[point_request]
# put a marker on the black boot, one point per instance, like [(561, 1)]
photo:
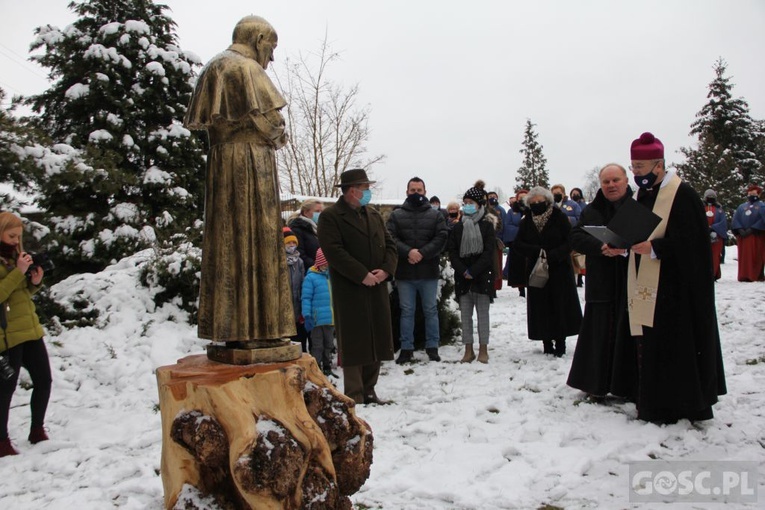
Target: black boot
[(432, 353), (522, 291), (560, 348), (548, 346), (405, 356)]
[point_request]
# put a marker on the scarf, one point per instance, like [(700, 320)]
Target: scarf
[(643, 282), (472, 240), (541, 220), (292, 258)]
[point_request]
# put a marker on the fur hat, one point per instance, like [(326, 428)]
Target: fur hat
[(646, 147), (320, 259), (477, 193), (289, 235)]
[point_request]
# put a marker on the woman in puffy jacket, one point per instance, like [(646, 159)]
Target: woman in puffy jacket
[(21, 342)]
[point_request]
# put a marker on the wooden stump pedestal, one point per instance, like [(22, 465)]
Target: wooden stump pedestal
[(265, 436)]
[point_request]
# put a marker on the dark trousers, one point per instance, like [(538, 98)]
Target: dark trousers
[(360, 380), (33, 356)]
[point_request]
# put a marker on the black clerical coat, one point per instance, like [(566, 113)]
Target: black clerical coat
[(679, 359)]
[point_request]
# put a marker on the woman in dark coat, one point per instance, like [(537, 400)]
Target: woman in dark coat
[(552, 312), (592, 369), (304, 226)]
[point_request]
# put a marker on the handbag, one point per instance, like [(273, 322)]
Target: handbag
[(540, 273)]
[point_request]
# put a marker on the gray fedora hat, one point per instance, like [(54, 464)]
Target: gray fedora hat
[(354, 176)]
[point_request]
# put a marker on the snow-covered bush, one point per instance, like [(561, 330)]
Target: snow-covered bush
[(173, 275)]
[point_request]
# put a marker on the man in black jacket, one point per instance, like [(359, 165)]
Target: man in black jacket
[(420, 233)]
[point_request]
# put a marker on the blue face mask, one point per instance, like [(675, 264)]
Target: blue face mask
[(366, 196), (469, 209), (315, 217)]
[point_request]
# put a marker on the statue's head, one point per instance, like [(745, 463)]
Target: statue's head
[(258, 34)]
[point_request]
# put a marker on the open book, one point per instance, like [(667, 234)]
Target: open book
[(631, 224)]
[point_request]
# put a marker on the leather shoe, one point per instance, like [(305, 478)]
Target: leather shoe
[(373, 399), (433, 354), (405, 356)]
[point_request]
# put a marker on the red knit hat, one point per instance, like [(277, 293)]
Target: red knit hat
[(320, 260), (646, 147)]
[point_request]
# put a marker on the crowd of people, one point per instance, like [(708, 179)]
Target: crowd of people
[(649, 329), (648, 332)]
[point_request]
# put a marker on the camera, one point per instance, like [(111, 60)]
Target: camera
[(6, 370), (42, 260)]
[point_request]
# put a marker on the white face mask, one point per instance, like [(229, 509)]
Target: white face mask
[(291, 249)]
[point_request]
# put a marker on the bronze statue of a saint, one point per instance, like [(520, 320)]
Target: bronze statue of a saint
[(245, 293)]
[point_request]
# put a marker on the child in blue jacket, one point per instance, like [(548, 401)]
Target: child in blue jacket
[(317, 312)]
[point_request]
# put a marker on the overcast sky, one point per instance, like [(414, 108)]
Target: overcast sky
[(451, 84)]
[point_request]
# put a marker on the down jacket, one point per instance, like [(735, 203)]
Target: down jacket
[(423, 228), (317, 298), (16, 295)]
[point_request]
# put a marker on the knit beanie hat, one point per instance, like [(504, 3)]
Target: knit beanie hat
[(476, 193), (289, 235), (646, 147), (710, 193), (320, 260)]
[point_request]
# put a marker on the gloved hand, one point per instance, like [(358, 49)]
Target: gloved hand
[(713, 236), (308, 324)]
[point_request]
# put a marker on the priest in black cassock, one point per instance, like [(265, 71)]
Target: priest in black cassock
[(605, 294), (670, 298)]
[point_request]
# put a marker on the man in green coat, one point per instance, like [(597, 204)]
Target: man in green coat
[(362, 257)]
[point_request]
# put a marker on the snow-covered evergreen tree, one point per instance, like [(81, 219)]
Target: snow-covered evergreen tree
[(120, 88), (15, 170), (725, 158), (533, 170)]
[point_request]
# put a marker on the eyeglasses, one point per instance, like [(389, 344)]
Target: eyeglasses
[(639, 167)]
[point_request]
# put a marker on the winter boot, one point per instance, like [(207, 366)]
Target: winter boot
[(37, 435), (432, 353), (522, 291), (6, 448), (405, 356), (469, 354), (560, 348), (483, 353), (548, 346), (327, 370)]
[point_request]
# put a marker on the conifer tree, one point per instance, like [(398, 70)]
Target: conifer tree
[(725, 159), (15, 169), (533, 170), (120, 88)]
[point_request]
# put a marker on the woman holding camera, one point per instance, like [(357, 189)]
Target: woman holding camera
[(21, 342)]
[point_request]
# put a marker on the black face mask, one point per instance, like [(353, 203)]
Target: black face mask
[(558, 198), (575, 198), (753, 198), (538, 208), (453, 214), (7, 251), (711, 201), (646, 181), (493, 201), (416, 199)]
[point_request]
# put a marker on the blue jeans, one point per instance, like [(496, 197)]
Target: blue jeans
[(407, 298)]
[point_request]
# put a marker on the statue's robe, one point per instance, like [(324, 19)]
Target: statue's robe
[(244, 293)]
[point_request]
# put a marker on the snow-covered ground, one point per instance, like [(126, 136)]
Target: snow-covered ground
[(509, 434)]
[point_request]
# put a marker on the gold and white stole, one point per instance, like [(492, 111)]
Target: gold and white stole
[(643, 283)]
